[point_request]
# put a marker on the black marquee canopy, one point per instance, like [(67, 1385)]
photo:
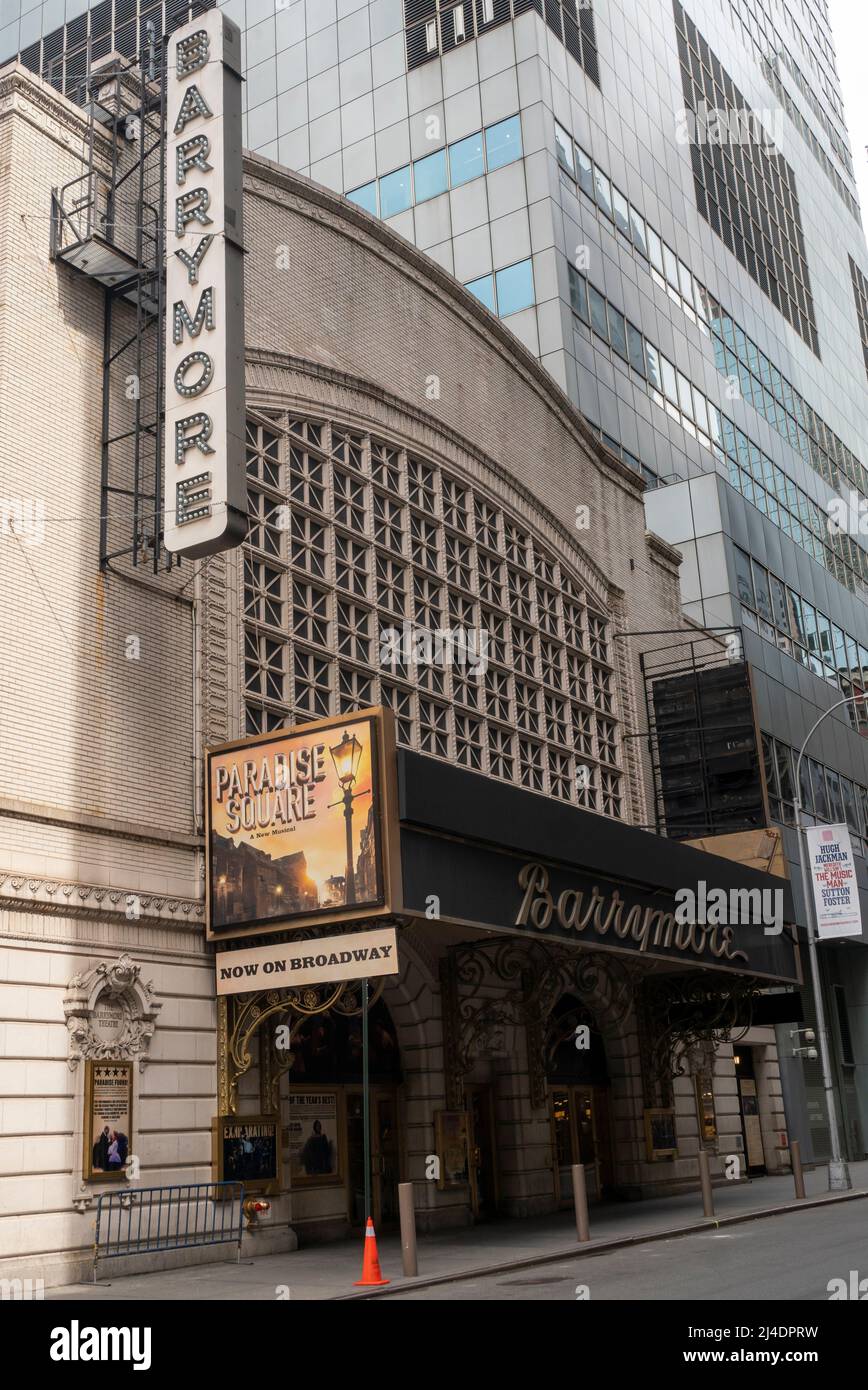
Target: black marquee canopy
[(483, 853)]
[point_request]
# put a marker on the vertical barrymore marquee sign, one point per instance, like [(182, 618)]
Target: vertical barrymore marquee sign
[(204, 484)]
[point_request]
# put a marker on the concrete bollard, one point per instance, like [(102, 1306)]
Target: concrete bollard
[(705, 1180), (798, 1172), (407, 1212), (580, 1198)]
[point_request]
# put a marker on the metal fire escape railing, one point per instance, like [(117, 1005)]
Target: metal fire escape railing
[(109, 224)]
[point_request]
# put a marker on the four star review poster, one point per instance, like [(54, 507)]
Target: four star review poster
[(108, 1119)]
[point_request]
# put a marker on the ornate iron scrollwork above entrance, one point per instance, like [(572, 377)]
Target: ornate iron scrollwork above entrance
[(540, 972), (244, 1017), (683, 1013), (240, 1018)]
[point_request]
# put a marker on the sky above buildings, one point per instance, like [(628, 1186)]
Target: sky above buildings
[(850, 29)]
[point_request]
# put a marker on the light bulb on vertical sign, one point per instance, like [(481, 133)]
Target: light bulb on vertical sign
[(204, 492)]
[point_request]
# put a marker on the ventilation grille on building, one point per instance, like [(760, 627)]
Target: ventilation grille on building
[(435, 27), (745, 189), (61, 57)]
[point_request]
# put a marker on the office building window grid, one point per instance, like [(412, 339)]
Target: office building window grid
[(452, 166), (760, 381), (796, 627), (759, 27), (351, 538), (749, 470), (745, 189), (860, 295), (827, 797)]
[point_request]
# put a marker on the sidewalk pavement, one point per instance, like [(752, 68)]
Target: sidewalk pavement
[(329, 1271)]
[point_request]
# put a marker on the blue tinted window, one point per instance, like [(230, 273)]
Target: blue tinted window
[(586, 172), (503, 143), (514, 288), (578, 294), (617, 331), (635, 349), (365, 197), (465, 159), (395, 192), (429, 176), (484, 290), (598, 312), (564, 147), (604, 192)]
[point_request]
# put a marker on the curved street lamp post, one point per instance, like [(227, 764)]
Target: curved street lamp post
[(346, 757), (839, 1172)]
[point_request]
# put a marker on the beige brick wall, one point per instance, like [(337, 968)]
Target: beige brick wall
[(96, 750)]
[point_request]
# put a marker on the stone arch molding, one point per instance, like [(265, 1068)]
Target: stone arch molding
[(119, 982)]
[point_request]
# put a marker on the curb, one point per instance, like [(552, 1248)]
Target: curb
[(600, 1247)]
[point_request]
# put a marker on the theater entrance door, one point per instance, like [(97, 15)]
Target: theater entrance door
[(385, 1156)]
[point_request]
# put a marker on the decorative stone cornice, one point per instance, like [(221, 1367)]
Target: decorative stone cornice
[(663, 552), (19, 85), (119, 981), (117, 829), (64, 897)]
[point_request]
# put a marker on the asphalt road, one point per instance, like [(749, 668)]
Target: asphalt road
[(780, 1257)]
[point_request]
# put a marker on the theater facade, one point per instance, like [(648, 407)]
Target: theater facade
[(437, 543)]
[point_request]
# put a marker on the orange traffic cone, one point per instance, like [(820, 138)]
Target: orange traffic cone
[(371, 1262)]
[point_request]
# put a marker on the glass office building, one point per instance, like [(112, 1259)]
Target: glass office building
[(659, 200)]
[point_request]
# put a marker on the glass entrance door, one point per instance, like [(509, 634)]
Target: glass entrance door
[(581, 1134), (562, 1143), (483, 1164), (385, 1156)]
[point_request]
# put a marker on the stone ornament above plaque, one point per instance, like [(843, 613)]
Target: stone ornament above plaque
[(110, 1013)]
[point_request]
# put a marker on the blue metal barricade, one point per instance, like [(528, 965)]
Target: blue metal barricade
[(143, 1220)]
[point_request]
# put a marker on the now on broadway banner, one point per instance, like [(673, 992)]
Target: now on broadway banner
[(833, 876)]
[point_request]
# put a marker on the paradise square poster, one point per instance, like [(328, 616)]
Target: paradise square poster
[(294, 825)]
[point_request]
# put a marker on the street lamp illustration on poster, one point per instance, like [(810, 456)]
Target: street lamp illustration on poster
[(346, 757), (295, 825)]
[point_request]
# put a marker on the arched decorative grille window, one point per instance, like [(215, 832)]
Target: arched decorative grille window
[(355, 548)]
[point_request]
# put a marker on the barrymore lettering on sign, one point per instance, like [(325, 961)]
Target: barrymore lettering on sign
[(356, 957), (646, 927), (204, 474)]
